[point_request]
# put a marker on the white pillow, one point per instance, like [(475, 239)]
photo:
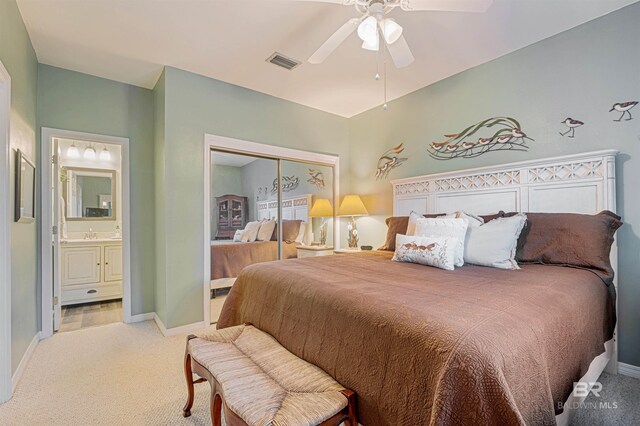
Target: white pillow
[(474, 221), (250, 232), (494, 243), (430, 251), (266, 230), (237, 237), (301, 233), (447, 228), (413, 220)]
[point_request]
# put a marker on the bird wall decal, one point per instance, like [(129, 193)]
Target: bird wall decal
[(624, 108), (492, 134), (316, 178), (389, 161), (571, 124)]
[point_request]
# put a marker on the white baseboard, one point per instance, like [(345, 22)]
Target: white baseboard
[(175, 331), (141, 317), (24, 361), (629, 370)]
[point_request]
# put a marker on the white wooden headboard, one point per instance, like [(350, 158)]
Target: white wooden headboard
[(292, 208), (580, 183)]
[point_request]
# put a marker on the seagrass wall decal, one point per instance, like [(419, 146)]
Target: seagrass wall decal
[(389, 161), (492, 134), (289, 183)]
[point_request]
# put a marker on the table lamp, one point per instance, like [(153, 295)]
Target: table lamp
[(352, 206), (322, 208)]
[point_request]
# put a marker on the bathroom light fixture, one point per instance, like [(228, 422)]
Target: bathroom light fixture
[(72, 151), (105, 155), (89, 153)]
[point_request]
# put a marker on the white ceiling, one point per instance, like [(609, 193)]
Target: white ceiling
[(235, 160), (229, 40)]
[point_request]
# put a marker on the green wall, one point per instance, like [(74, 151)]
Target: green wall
[(195, 105), (73, 101), (160, 298), (580, 73), (19, 58)]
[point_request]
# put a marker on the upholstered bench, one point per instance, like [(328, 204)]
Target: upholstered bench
[(256, 381)]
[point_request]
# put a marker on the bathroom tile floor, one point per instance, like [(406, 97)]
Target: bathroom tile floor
[(75, 317)]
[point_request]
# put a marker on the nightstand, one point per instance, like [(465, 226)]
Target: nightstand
[(347, 251), (311, 251)]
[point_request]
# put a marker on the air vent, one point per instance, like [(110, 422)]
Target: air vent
[(282, 61)]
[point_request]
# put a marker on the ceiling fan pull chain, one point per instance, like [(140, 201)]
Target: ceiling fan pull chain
[(384, 70), (378, 63)]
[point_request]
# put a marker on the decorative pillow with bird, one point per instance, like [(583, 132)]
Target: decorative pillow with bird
[(445, 228), (439, 252)]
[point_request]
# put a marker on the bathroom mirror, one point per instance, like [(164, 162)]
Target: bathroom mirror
[(88, 194)]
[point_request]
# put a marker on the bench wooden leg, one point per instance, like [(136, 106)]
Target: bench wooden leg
[(216, 408), (352, 409), (188, 375)]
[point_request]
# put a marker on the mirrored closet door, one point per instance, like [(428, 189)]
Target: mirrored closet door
[(264, 209)]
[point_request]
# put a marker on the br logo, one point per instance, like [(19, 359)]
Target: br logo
[(581, 389)]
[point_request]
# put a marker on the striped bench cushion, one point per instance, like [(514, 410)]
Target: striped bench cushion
[(262, 382)]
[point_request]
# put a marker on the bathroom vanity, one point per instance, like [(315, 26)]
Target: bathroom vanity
[(91, 270)]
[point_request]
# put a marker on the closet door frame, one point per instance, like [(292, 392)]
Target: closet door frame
[(237, 146)]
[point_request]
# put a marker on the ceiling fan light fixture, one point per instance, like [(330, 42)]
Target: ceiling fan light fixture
[(368, 29), (391, 30), (373, 44)]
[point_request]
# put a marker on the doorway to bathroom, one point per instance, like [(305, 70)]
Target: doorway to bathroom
[(85, 230)]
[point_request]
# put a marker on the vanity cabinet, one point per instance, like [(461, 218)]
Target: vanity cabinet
[(90, 271)]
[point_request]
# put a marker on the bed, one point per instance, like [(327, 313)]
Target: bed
[(475, 346)]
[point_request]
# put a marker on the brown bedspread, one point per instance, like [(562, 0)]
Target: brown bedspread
[(227, 260), (421, 345)]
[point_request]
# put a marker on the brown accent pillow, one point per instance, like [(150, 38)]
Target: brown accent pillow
[(290, 229), (398, 225), (570, 239)]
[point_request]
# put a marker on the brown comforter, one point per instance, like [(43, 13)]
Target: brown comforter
[(421, 345), (228, 259)]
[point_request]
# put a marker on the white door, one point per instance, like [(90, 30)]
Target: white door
[(80, 265), (56, 219), (113, 263)]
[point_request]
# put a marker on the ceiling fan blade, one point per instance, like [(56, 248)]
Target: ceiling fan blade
[(400, 53), (334, 41), (472, 6)]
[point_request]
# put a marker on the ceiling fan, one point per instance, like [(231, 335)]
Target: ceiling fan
[(373, 23)]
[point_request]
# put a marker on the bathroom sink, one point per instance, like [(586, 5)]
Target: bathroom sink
[(82, 240)]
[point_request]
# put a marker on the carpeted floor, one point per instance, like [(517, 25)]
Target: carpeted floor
[(120, 374)]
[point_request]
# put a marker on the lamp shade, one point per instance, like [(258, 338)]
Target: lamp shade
[(321, 208), (352, 205)]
